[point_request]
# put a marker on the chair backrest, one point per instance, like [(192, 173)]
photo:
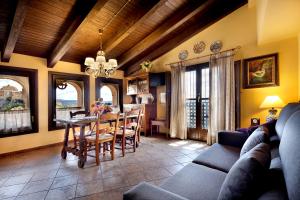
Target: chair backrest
[(129, 116), (284, 115), (80, 112), (289, 150), (112, 119)]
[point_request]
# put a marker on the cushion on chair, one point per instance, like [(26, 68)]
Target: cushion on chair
[(218, 156), (101, 137), (89, 132), (260, 135), (245, 178), (195, 182), (128, 132)]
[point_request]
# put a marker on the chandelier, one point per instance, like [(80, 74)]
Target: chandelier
[(99, 67)]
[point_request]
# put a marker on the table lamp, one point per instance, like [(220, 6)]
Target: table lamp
[(272, 102)]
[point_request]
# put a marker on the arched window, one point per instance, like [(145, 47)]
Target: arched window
[(106, 95), (68, 97), (11, 95)]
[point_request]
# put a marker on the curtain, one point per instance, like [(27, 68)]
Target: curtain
[(178, 128), (222, 95), (15, 120)]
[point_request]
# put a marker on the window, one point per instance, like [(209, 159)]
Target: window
[(106, 95), (18, 101), (68, 93), (110, 91)]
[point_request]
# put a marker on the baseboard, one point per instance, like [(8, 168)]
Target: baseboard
[(30, 149)]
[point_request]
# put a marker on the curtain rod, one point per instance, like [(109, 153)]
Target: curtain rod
[(233, 49)]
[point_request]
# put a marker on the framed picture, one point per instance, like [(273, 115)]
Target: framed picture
[(261, 71)]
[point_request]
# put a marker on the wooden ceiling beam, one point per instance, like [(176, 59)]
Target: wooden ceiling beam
[(15, 30), (172, 23), (82, 18), (142, 17), (197, 24)]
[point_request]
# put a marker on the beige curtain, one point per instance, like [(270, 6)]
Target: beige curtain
[(178, 128), (222, 95)]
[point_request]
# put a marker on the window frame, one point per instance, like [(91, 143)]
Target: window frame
[(52, 77), (101, 81), (32, 75)]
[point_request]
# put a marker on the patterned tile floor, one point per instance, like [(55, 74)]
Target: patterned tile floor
[(42, 174)]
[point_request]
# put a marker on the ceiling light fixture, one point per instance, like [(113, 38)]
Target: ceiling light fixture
[(98, 67)]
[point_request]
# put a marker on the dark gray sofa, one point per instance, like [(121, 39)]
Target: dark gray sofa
[(203, 178)]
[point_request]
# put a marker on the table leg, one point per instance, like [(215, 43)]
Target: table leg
[(81, 147), (66, 139)]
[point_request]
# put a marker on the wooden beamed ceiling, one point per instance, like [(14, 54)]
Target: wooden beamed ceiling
[(68, 30)]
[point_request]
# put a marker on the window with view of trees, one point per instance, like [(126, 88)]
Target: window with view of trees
[(17, 106)]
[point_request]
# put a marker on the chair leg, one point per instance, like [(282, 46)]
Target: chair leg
[(134, 143), (103, 149), (97, 153), (123, 146), (112, 150)]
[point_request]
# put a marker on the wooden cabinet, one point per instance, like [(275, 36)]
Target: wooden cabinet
[(138, 85)]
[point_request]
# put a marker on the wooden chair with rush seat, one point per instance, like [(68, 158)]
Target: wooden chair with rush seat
[(76, 134), (128, 133), (104, 136)]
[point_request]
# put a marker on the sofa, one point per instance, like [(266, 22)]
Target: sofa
[(205, 177)]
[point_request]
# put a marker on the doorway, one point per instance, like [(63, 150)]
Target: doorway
[(197, 101)]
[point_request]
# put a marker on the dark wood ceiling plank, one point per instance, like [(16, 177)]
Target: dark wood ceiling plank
[(15, 30), (199, 23), (171, 24), (142, 17), (80, 20)]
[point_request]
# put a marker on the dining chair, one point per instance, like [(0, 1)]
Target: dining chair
[(129, 131), (76, 134), (103, 136)]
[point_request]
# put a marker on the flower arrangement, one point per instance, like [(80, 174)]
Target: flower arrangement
[(146, 65), (98, 109)]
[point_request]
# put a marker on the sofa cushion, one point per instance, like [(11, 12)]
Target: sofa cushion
[(284, 115), (196, 182), (219, 156), (270, 125), (289, 150), (275, 194), (246, 176), (260, 135)]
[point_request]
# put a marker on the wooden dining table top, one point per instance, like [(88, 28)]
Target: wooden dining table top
[(88, 119)]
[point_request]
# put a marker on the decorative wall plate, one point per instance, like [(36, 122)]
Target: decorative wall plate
[(183, 54), (199, 47), (216, 46)]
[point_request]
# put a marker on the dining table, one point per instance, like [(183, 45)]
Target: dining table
[(81, 122)]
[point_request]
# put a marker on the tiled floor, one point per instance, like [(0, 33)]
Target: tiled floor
[(42, 174)]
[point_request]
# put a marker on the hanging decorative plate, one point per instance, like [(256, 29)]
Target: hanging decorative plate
[(216, 46), (183, 54), (199, 47)]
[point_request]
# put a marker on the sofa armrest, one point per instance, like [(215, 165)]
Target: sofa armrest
[(146, 191), (232, 138)]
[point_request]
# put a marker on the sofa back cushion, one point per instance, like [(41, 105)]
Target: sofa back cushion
[(289, 150), (284, 115), (260, 135), (245, 178)]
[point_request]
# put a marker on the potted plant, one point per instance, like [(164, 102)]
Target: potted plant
[(146, 65)]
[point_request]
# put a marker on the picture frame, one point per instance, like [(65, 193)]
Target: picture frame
[(261, 71)]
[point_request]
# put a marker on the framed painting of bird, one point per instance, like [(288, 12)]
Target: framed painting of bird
[(261, 71)]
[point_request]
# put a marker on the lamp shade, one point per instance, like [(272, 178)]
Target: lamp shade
[(89, 61), (113, 62), (272, 102)]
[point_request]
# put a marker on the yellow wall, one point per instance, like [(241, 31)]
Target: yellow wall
[(239, 29), (43, 137)]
